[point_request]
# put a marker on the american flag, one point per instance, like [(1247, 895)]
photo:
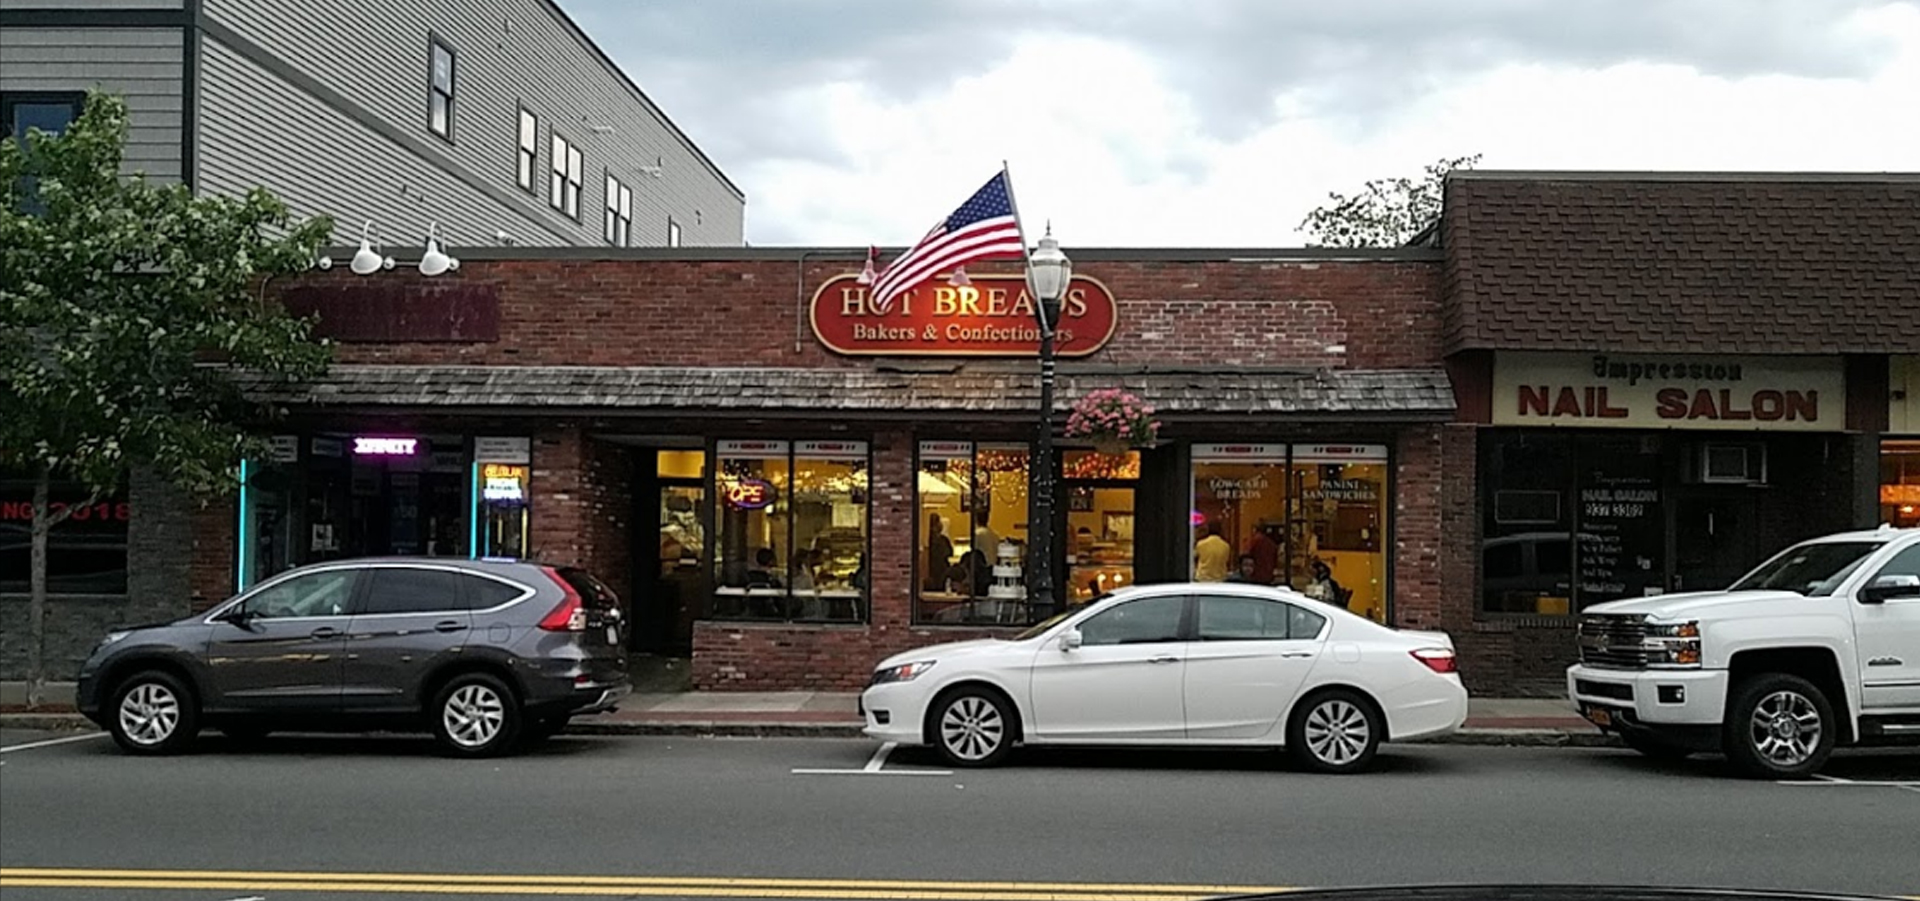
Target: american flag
[(984, 227)]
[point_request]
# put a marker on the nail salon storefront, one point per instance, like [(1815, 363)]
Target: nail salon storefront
[(787, 486)]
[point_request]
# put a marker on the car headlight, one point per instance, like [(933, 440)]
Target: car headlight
[(905, 672), (1673, 644), (113, 637)]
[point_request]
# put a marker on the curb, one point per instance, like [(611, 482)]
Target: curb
[(1527, 738)]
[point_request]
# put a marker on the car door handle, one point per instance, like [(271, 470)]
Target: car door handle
[(326, 632), (1296, 654), (448, 625), (1167, 659)]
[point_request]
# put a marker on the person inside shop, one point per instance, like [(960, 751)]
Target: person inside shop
[(762, 574), (972, 575), (1264, 548), (939, 554), (1211, 555), (1324, 588), (1247, 572)]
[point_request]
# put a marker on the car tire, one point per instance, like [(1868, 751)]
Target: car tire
[(154, 712), (973, 727), (1335, 731), (1778, 726), (1655, 747), (475, 715)]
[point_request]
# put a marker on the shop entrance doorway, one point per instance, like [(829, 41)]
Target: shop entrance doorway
[(670, 494)]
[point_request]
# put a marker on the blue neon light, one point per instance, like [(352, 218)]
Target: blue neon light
[(240, 541), (473, 512)]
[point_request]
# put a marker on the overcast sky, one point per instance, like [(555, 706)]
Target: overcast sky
[(1222, 122)]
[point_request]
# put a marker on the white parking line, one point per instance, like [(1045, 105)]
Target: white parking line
[(51, 742), (876, 766), (1836, 781)]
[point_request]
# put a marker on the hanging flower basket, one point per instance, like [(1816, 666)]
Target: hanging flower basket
[(1114, 420)]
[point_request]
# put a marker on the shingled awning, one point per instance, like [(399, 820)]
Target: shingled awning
[(1754, 263), (1423, 394)]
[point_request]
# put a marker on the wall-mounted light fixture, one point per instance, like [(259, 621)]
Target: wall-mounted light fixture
[(367, 260)]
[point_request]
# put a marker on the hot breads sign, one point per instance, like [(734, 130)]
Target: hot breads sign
[(1660, 391), (992, 317)]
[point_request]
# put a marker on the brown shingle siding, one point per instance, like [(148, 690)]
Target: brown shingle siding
[(1716, 264)]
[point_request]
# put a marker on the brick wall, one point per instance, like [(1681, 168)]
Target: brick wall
[(1335, 314), (1418, 475), (210, 550)]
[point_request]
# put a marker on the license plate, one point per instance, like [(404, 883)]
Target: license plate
[(1600, 716)]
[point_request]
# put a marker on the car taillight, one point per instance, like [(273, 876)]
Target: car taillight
[(570, 615), (1440, 660)]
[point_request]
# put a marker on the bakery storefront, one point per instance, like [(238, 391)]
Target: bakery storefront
[(1611, 476)]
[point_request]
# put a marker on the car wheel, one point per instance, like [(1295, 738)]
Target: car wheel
[(154, 713), (475, 715), (1778, 727), (1335, 732), (973, 727), (1654, 746)]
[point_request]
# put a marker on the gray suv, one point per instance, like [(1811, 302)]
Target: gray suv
[(485, 654)]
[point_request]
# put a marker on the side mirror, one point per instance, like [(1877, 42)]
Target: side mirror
[(1886, 588), (237, 615), (1069, 639)]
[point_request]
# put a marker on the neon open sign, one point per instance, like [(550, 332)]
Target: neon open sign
[(385, 447), (749, 494)]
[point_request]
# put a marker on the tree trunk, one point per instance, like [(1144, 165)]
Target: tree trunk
[(37, 592)]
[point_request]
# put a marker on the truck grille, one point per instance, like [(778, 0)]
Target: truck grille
[(1613, 640)]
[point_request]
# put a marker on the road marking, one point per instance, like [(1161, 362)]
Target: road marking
[(651, 886), (1836, 782), (51, 742), (876, 766)]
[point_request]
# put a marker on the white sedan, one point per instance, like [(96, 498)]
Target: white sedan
[(1184, 664)]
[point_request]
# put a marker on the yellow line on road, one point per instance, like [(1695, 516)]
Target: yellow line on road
[(704, 887)]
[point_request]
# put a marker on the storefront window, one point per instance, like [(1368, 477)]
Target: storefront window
[(1527, 548), (1099, 492), (504, 489), (1622, 550), (1900, 482), (86, 553), (1239, 512), (1336, 537), (792, 519), (972, 517)]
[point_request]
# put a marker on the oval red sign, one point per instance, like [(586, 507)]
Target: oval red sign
[(993, 317)]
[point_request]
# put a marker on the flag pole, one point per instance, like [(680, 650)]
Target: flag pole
[(1026, 249), (1040, 467)]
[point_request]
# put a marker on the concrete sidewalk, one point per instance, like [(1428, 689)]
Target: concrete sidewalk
[(1490, 721)]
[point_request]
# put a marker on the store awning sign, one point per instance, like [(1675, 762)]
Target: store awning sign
[(992, 317), (366, 446)]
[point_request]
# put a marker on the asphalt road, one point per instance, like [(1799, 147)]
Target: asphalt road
[(383, 817)]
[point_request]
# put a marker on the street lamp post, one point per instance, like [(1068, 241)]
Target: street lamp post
[(1048, 273)]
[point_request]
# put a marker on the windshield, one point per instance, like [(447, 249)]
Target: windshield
[(1810, 569)]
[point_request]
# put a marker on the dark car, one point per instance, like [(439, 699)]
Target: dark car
[(485, 654)]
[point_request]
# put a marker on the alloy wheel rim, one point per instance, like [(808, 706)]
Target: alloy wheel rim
[(149, 714), (1337, 732), (972, 728), (1785, 728), (474, 716)]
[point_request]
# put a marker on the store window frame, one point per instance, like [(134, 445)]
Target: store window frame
[(80, 537), (1893, 506), (710, 561), (917, 572), (1390, 485), (441, 97)]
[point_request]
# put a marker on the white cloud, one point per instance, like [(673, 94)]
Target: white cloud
[(1110, 141)]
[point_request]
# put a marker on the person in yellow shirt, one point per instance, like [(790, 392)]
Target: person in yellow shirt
[(1212, 556)]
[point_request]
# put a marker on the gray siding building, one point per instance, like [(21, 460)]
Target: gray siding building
[(498, 120)]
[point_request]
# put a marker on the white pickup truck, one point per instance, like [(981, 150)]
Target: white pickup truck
[(1818, 647)]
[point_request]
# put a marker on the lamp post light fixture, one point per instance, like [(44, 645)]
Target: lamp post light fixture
[(1048, 274)]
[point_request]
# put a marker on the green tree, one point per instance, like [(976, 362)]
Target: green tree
[(1387, 212), (132, 316)]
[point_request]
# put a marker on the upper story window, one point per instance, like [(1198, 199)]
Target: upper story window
[(529, 148), (51, 113), (563, 192), (619, 225), (673, 233), (440, 90)]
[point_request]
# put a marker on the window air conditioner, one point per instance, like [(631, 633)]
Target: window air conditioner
[(1732, 464)]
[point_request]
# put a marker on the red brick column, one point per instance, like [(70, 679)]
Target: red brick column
[(211, 566), (1419, 471), (561, 507)]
